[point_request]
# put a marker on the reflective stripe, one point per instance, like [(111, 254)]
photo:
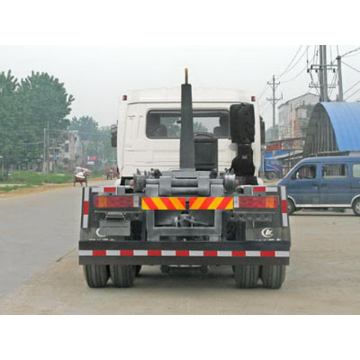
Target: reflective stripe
[(112, 252), (282, 254), (253, 253), (285, 220), (140, 253), (182, 253), (85, 253), (162, 203), (211, 203), (168, 252), (85, 208), (196, 253)]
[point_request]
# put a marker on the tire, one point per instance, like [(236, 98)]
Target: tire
[(165, 269), (96, 276), (291, 208), (356, 207), (137, 270), (270, 175), (246, 276), (122, 276), (273, 276)]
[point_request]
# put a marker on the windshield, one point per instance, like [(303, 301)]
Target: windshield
[(167, 124)]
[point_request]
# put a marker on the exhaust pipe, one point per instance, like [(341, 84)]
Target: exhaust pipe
[(187, 147)]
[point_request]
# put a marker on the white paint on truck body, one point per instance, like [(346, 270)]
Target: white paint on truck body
[(137, 151)]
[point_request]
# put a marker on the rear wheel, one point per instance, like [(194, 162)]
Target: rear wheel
[(273, 276), (122, 275), (165, 269), (356, 207), (246, 276), (96, 275), (291, 208), (137, 270), (270, 175)]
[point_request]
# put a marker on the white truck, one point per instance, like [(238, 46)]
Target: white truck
[(188, 194)]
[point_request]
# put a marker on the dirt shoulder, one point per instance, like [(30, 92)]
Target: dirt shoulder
[(40, 188)]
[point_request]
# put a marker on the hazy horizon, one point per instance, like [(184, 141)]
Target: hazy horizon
[(98, 76)]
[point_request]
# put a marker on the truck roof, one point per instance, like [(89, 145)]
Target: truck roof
[(200, 94)]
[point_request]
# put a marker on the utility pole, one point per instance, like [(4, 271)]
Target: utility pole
[(340, 83), (48, 147), (45, 152), (323, 74), (273, 84), (322, 71)]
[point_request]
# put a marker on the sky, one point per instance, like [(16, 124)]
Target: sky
[(98, 76), (100, 49)]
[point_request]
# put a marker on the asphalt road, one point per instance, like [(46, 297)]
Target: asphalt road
[(39, 272)]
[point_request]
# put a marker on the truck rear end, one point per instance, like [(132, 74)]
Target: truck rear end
[(197, 215), (249, 231)]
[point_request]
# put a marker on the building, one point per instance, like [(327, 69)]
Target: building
[(294, 116), (71, 153), (334, 127)]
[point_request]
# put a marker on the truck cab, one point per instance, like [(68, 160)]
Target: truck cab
[(149, 126)]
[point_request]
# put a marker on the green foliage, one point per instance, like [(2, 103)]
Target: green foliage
[(96, 140), (39, 101), (9, 188), (9, 116), (36, 178), (86, 126)]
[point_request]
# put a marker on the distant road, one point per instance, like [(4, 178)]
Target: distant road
[(35, 230)]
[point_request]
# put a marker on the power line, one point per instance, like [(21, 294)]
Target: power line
[(351, 67), (355, 92), (303, 69), (263, 92), (351, 51), (292, 60), (296, 76), (299, 59), (351, 87), (333, 83)]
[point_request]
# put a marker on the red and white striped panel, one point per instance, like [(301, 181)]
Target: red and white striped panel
[(85, 208), (284, 206), (104, 189), (262, 189), (186, 253)]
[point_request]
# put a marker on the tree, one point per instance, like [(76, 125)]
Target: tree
[(86, 126), (9, 118), (43, 103)]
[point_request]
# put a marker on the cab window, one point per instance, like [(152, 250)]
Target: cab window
[(305, 172), (167, 124), (356, 170), (331, 171)]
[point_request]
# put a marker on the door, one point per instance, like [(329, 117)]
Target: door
[(355, 180), (335, 187), (303, 185)]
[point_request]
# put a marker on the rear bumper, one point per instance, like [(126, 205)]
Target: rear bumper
[(184, 253)]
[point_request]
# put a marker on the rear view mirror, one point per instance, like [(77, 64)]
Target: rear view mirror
[(114, 135), (242, 123)]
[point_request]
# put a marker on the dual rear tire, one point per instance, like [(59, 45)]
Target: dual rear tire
[(122, 276), (247, 276), (96, 276)]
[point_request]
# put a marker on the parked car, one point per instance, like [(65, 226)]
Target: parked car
[(324, 182)]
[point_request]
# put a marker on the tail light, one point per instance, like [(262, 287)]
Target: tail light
[(116, 202), (258, 202)]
